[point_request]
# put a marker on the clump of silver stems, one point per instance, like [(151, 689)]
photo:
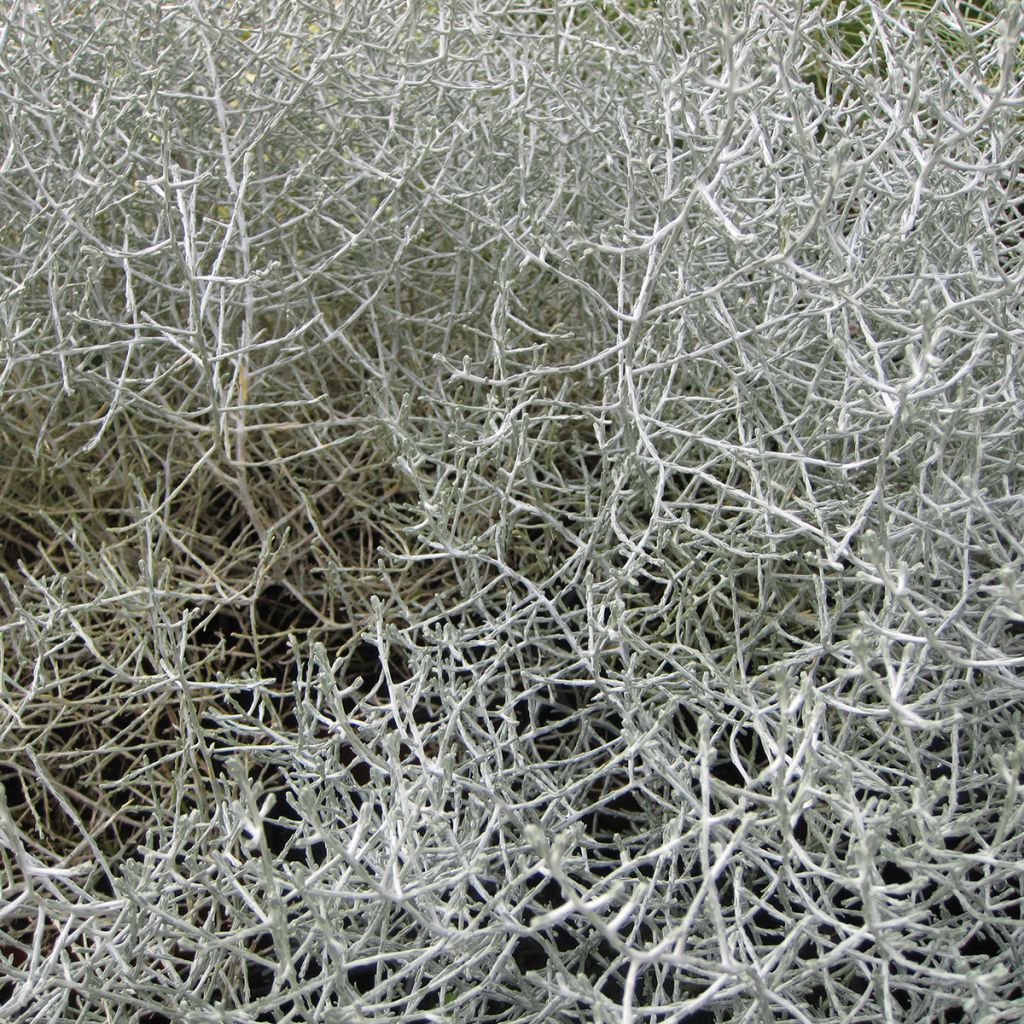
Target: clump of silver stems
[(511, 511)]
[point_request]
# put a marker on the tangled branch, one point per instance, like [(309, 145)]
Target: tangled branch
[(511, 512)]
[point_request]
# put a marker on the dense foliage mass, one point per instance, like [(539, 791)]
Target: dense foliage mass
[(511, 512)]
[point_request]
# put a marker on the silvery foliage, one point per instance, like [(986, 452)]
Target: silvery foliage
[(511, 511)]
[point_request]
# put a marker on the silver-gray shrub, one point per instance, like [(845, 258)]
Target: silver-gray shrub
[(511, 512)]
